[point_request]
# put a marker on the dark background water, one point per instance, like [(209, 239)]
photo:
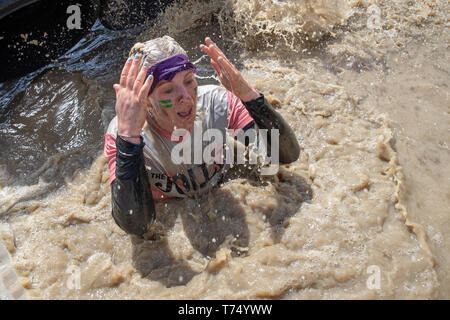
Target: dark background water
[(53, 119)]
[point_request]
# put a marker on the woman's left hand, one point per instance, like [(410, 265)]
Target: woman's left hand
[(229, 76)]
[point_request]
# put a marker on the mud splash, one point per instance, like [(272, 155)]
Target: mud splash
[(316, 230)]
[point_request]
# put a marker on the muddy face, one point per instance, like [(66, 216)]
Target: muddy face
[(362, 214), (176, 100)]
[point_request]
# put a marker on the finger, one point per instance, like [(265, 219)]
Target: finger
[(116, 88), (124, 74), (216, 67), (140, 79), (133, 72), (227, 68), (222, 69), (210, 51), (211, 44), (213, 59), (207, 50), (224, 75), (143, 92), (208, 41), (214, 53)]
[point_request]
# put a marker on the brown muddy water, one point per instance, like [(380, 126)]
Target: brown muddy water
[(363, 214)]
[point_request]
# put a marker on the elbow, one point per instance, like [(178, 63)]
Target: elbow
[(290, 155), (289, 148), (129, 223)]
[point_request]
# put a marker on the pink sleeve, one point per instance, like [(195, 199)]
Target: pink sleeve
[(158, 195), (110, 153), (238, 116)]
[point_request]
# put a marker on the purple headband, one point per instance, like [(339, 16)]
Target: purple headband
[(167, 69)]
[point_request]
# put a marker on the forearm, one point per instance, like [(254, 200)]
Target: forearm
[(133, 206), (267, 118)]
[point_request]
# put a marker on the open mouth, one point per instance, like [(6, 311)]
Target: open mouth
[(185, 115)]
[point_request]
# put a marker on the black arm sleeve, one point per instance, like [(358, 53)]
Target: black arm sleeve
[(267, 118), (133, 207)]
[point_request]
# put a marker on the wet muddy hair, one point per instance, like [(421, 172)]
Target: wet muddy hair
[(156, 49)]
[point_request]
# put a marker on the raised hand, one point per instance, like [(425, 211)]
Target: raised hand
[(131, 99), (229, 76)]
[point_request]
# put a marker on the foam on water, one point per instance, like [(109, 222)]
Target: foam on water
[(315, 230)]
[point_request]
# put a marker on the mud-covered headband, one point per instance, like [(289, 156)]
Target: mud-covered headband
[(167, 69)]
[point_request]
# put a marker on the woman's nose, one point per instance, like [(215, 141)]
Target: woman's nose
[(184, 94)]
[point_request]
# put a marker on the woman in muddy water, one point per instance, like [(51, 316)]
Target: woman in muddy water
[(158, 97)]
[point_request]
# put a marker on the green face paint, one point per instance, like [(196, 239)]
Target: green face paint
[(165, 103)]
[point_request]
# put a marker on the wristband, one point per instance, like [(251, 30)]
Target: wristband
[(255, 103)]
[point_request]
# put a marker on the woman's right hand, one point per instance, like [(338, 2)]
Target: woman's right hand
[(131, 99), (229, 75)]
